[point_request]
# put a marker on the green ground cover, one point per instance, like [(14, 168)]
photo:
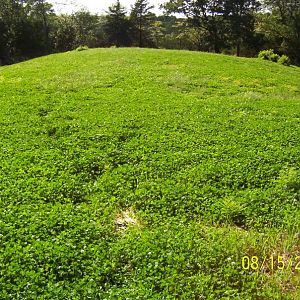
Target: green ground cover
[(149, 174)]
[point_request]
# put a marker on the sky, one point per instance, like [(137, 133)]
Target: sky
[(95, 6)]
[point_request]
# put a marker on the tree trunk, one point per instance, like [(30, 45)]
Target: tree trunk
[(45, 26), (238, 48), (217, 48), (140, 34)]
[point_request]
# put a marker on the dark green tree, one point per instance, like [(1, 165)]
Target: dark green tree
[(240, 18), (24, 29), (141, 18), (63, 33), (12, 17), (117, 25), (40, 11), (204, 14), (281, 25), (86, 28)]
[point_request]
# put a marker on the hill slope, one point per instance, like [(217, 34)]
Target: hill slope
[(149, 174)]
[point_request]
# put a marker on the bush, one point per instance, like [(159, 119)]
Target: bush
[(275, 57), (284, 60), (270, 55), (265, 54), (82, 48)]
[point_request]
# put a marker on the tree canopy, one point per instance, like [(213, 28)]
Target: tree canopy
[(30, 28)]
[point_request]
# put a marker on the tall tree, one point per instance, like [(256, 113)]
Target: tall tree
[(86, 27), (241, 19), (141, 18), (11, 18), (157, 32), (64, 33), (117, 25), (204, 14), (281, 24), (40, 12)]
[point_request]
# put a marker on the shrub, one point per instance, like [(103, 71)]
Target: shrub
[(265, 54), (284, 60), (82, 48), (274, 57), (269, 55)]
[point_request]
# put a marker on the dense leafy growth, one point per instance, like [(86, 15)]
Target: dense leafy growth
[(274, 57), (148, 174)]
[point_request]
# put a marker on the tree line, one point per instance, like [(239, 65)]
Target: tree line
[(30, 28)]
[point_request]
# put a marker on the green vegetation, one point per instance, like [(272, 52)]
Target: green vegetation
[(82, 48), (284, 60), (274, 57), (269, 55), (149, 174)]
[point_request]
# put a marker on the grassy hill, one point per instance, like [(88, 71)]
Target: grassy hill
[(149, 174)]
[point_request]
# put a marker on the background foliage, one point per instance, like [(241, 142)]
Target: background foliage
[(30, 28)]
